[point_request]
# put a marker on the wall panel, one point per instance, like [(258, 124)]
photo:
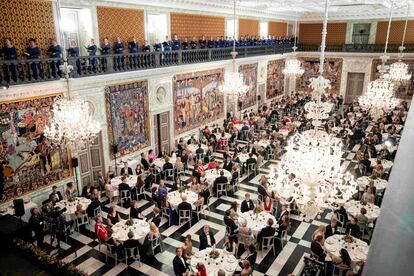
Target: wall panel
[(248, 27), (311, 33), (190, 25), (277, 29), (396, 32)]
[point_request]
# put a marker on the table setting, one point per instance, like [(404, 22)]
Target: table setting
[(131, 180), (211, 175), (174, 198), (215, 259), (379, 183), (139, 227), (70, 205), (256, 221), (357, 249), (159, 162), (353, 208), (387, 164)]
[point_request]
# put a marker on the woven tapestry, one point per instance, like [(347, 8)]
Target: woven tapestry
[(127, 116), (197, 100), (249, 72), (27, 158), (332, 71), (275, 78)]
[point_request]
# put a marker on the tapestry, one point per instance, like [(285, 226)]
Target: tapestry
[(28, 160), (127, 114), (197, 100), (332, 72), (275, 78), (402, 91), (249, 72)]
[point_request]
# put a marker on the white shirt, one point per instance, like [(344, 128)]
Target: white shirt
[(208, 239), (182, 260)]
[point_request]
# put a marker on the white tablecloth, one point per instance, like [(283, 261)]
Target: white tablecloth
[(140, 228), (256, 223), (379, 147), (132, 163), (397, 127), (284, 132), (225, 261), (71, 206), (353, 208), (244, 156), (174, 198), (338, 129), (131, 181), (387, 164), (27, 207), (193, 148), (159, 162), (218, 135), (211, 175), (238, 126), (379, 183), (357, 250), (262, 143)]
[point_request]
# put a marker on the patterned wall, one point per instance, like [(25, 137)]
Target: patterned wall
[(125, 23), (332, 71), (248, 27), (29, 161), (275, 78), (249, 72), (396, 32), (311, 33), (24, 19), (277, 28), (189, 25)]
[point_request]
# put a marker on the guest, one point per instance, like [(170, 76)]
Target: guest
[(139, 169), (155, 198), (206, 238), (267, 205), (94, 205), (201, 268), (86, 190), (212, 164), (187, 248), (111, 173), (229, 222), (184, 205), (156, 218), (368, 196), (36, 223), (352, 228), (70, 190), (151, 156), (100, 230), (131, 242), (247, 204), (200, 200), (101, 181), (206, 192), (283, 212), (180, 265), (126, 169), (219, 180), (317, 246), (56, 193), (79, 211), (113, 217), (139, 185), (362, 218), (343, 212), (167, 165), (111, 192), (343, 261), (320, 231), (162, 190), (144, 162), (332, 228), (233, 210), (244, 229), (229, 245), (177, 184), (194, 185), (247, 270), (268, 231), (251, 256), (154, 231), (285, 225)]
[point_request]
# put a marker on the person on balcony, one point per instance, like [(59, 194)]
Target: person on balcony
[(33, 52), (54, 51), (211, 43), (119, 50), (106, 47), (176, 43), (203, 42), (9, 52), (157, 46), (133, 49), (185, 44), (92, 48)]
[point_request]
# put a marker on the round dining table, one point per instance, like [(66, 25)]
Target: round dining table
[(256, 222), (379, 183), (262, 143), (71, 206), (140, 228), (130, 180), (174, 198), (358, 249), (159, 162), (243, 157), (193, 148), (225, 260), (391, 149), (387, 164), (211, 175), (353, 208), (226, 135)]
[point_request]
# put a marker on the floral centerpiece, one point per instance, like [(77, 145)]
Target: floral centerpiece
[(181, 189), (129, 222), (71, 199), (257, 210), (348, 239), (214, 254)]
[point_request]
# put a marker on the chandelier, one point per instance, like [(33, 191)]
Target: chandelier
[(293, 65), (234, 81), (379, 94)]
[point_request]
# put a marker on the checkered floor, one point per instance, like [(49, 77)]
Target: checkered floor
[(287, 260)]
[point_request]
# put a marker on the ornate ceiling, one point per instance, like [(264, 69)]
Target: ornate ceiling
[(307, 10)]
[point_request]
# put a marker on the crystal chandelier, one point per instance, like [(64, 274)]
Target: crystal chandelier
[(399, 70), (379, 94), (234, 81), (314, 156), (293, 65)]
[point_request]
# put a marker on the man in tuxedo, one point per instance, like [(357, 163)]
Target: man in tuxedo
[(149, 180), (56, 193), (247, 204), (167, 166), (144, 162), (206, 192), (184, 205), (268, 231), (228, 164), (36, 223), (93, 206), (251, 257), (206, 238), (124, 186), (332, 228), (283, 212), (199, 150), (101, 181), (352, 228), (317, 248), (131, 242), (218, 180), (179, 264), (230, 223), (156, 219), (250, 160), (360, 170), (126, 169)]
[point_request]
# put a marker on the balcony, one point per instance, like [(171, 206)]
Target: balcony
[(40, 70)]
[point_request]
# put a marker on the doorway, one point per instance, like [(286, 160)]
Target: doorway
[(354, 86), (162, 132)]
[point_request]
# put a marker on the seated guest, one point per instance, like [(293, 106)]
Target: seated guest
[(167, 165), (244, 229), (267, 205), (343, 261), (332, 228), (368, 196), (233, 210), (362, 218), (247, 270), (230, 245), (212, 164), (352, 228), (100, 230), (177, 184), (111, 192), (126, 169), (134, 211), (283, 212), (268, 231), (219, 180), (184, 205), (206, 238), (342, 212), (156, 219), (262, 190), (247, 204), (137, 188), (131, 242), (222, 142), (251, 256), (200, 200), (79, 211), (180, 265), (144, 162), (199, 151), (86, 190), (151, 156), (56, 193), (71, 190), (154, 231), (360, 170), (149, 180), (94, 205), (317, 248), (187, 248), (206, 192), (155, 198), (113, 217), (235, 173), (199, 168), (36, 223), (228, 164), (119, 248), (162, 189), (124, 186), (285, 225), (251, 160), (320, 231), (101, 181), (229, 222), (194, 185), (110, 174), (139, 169)]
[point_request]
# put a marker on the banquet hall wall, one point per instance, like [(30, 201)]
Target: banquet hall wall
[(92, 89)]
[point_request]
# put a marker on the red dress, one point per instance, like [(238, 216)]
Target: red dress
[(267, 207), (101, 231)]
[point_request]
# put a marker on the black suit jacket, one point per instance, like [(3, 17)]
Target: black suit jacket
[(134, 212), (318, 251), (58, 195), (244, 208), (203, 240), (179, 266), (231, 224), (199, 151), (123, 187), (167, 166), (252, 259), (206, 195), (184, 206), (156, 220), (268, 231), (145, 164), (94, 204), (262, 191), (131, 243), (129, 171), (251, 160), (221, 179), (280, 216), (331, 231)]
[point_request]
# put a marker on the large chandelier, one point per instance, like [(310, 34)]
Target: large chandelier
[(293, 65), (234, 81), (379, 94), (314, 156)]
